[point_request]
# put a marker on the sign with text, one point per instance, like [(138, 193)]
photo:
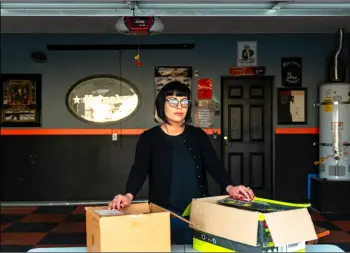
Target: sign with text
[(205, 88), (247, 71), (204, 110), (102, 99), (291, 68)]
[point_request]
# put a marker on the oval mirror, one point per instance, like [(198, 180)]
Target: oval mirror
[(103, 99)]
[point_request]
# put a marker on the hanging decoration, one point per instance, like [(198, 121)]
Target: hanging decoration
[(137, 58)]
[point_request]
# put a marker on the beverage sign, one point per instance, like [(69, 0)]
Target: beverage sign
[(102, 99)]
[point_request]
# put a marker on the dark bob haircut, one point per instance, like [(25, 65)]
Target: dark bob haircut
[(177, 89)]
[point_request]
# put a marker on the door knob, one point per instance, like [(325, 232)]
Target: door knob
[(225, 141)]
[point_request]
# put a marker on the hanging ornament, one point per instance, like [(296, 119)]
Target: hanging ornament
[(137, 58)]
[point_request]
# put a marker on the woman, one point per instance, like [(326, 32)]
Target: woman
[(175, 156)]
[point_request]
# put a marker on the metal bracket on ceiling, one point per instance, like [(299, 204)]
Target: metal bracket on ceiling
[(279, 5), (133, 5)]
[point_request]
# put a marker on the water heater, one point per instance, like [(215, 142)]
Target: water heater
[(334, 139)]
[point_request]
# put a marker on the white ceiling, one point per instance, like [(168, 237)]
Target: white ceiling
[(177, 1), (177, 25)]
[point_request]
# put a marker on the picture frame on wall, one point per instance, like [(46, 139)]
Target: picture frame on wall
[(20, 100), (291, 72), (292, 106), (247, 53)]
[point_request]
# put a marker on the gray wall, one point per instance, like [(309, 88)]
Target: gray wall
[(212, 56)]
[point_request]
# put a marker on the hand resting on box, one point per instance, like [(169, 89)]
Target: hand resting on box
[(120, 201)]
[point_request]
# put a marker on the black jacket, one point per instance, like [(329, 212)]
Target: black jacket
[(153, 158)]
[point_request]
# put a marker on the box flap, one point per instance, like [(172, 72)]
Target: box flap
[(155, 208), (227, 222), (291, 226), (91, 211)]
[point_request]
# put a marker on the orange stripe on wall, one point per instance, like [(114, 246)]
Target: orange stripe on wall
[(297, 131), (138, 131), (68, 131)]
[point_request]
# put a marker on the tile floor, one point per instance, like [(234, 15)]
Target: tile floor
[(28, 227)]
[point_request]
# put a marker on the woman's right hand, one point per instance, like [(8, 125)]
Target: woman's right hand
[(120, 201)]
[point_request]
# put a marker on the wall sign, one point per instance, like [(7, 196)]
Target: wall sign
[(291, 69), (205, 88), (204, 110), (247, 71), (102, 99), (20, 100)]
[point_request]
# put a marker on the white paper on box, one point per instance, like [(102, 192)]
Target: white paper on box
[(108, 212)]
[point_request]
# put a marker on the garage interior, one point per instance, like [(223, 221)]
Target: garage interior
[(53, 168)]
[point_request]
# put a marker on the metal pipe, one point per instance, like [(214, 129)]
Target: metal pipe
[(60, 203), (336, 56)]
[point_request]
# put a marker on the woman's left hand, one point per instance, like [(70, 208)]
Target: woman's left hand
[(240, 191)]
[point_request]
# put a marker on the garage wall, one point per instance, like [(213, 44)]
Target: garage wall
[(83, 163)]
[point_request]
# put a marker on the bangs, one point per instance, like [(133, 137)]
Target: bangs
[(177, 89), (177, 93)]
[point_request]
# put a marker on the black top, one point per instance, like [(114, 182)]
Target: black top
[(183, 178), (154, 157)]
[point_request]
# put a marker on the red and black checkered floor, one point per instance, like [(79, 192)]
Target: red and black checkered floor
[(28, 227)]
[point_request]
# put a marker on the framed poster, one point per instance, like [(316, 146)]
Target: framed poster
[(164, 75), (291, 106), (20, 100), (291, 71), (247, 53)]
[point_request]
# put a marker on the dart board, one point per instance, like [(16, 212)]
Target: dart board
[(260, 205)]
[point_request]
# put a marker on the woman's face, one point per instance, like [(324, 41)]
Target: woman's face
[(176, 108)]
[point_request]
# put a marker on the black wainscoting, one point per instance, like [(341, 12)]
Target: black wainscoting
[(67, 168), (63, 168), (295, 156)]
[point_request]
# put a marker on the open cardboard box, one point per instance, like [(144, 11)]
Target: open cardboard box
[(145, 227), (141, 227), (219, 228)]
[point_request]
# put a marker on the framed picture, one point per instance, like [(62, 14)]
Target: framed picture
[(291, 106), (247, 53), (20, 100), (291, 72)]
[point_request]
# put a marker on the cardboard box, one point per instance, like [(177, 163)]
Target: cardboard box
[(219, 228), (141, 227)]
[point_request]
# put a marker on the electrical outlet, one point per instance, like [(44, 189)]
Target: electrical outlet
[(114, 137)]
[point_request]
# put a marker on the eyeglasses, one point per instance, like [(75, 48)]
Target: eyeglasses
[(174, 102)]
